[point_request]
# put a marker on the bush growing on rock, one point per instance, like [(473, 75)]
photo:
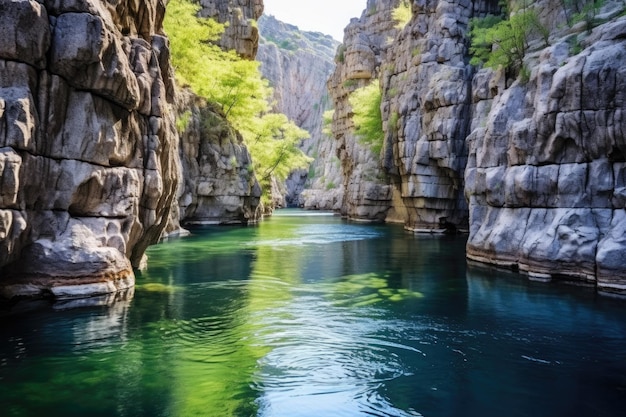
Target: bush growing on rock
[(503, 43), (367, 118)]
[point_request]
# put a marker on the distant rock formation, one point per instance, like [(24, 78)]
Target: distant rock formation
[(297, 64), (88, 147)]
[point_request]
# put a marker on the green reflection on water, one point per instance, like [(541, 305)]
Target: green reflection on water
[(316, 317)]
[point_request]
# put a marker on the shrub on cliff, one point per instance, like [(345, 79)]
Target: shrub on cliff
[(367, 118), (497, 42)]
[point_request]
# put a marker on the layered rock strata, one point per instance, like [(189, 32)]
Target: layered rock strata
[(426, 108), (367, 193), (547, 171), (88, 148), (297, 64)]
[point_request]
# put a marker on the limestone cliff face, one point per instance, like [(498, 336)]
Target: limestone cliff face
[(217, 183), (367, 193), (88, 148), (241, 32), (298, 64), (427, 85), (541, 162), (547, 168)]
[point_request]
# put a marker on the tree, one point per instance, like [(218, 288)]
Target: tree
[(236, 85), (503, 43)]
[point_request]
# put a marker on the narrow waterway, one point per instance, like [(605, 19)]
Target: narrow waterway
[(309, 315)]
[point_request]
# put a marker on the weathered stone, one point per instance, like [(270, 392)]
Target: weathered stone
[(24, 31), (87, 179), (90, 55), (240, 34), (545, 177), (217, 183)]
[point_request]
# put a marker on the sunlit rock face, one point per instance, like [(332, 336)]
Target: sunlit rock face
[(217, 184), (547, 170), (88, 148), (367, 193), (238, 16), (297, 64), (426, 107)]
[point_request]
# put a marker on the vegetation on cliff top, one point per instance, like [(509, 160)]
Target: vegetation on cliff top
[(236, 85)]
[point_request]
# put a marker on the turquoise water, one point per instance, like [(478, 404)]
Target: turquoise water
[(314, 316)]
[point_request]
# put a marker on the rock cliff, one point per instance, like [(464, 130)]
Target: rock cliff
[(216, 183), (88, 148), (426, 106), (239, 18), (546, 174), (93, 167), (367, 193), (540, 160), (298, 64)]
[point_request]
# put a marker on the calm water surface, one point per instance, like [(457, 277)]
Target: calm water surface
[(313, 316)]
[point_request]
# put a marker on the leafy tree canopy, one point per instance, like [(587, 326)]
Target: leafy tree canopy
[(235, 84)]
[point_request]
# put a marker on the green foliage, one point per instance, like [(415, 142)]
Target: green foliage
[(331, 186), (504, 43), (236, 86), (327, 122), (350, 83), (367, 118), (393, 120), (402, 14), (341, 54), (220, 76), (275, 146), (183, 121)]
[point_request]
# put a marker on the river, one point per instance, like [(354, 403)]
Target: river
[(309, 315)]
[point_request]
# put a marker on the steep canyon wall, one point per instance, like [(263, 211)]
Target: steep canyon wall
[(533, 169), (88, 148), (93, 166), (545, 178), (367, 193), (297, 64)]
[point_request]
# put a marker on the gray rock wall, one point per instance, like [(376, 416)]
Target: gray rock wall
[(427, 83), (241, 32), (218, 185), (545, 178), (88, 149), (367, 193)]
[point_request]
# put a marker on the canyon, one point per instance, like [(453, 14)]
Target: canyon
[(95, 166)]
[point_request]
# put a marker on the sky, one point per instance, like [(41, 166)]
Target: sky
[(327, 16)]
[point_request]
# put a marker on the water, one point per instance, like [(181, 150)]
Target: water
[(312, 316)]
